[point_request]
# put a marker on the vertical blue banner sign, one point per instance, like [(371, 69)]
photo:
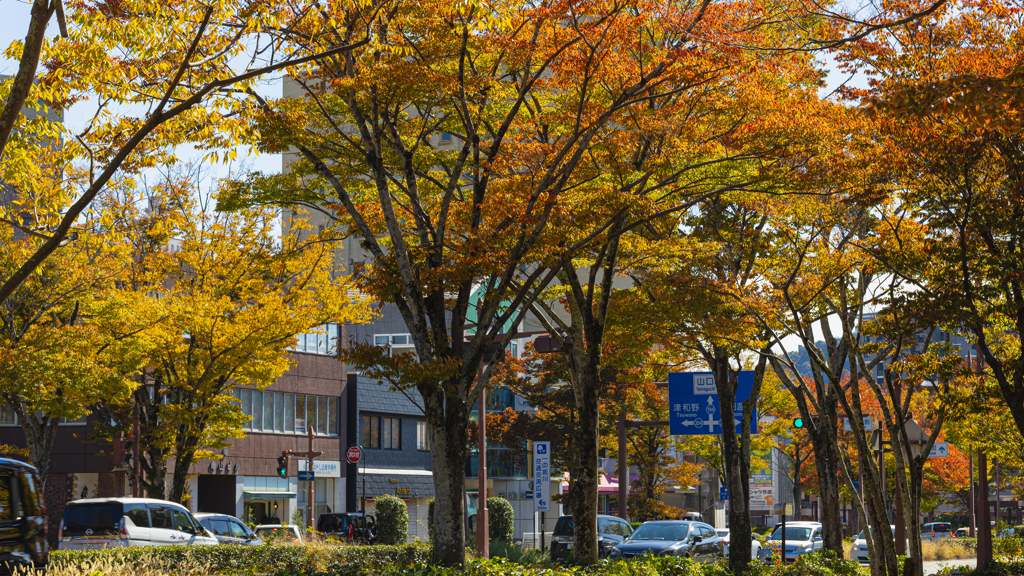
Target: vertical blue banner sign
[(542, 476)]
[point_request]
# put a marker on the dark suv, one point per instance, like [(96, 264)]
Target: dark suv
[(611, 531), (347, 526), (22, 517)]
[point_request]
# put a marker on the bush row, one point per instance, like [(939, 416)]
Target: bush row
[(411, 560), (267, 559)]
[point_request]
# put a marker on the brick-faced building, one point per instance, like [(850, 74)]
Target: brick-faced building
[(243, 482)]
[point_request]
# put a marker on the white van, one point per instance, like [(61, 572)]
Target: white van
[(119, 522)]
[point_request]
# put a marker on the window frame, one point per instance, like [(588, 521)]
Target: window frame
[(422, 436)]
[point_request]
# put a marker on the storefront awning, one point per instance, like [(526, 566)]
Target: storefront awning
[(267, 495)]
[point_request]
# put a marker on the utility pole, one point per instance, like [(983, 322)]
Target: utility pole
[(623, 468), (136, 455), (984, 528), (309, 456), (970, 495), (482, 526)]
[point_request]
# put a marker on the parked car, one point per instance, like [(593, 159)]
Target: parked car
[(280, 533), (228, 529), (801, 538), (964, 532), (22, 517), (611, 531), (936, 530), (859, 549), (120, 522), (1007, 533), (755, 546), (348, 526), (694, 540)]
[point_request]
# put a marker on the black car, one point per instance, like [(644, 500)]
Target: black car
[(694, 540), (228, 529), (348, 526), (610, 532), (22, 514)]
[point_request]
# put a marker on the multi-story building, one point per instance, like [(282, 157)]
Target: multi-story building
[(242, 479)]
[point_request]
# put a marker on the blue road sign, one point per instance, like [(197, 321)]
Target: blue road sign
[(939, 450), (723, 493), (693, 404), (542, 476), (306, 475)]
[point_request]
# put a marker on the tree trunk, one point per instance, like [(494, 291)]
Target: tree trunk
[(449, 435), (584, 504), (40, 434), (184, 457), (153, 459), (829, 507), (736, 452)]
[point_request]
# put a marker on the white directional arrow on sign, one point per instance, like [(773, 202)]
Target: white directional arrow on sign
[(939, 450)]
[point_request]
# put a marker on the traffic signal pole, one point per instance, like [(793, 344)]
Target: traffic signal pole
[(309, 456)]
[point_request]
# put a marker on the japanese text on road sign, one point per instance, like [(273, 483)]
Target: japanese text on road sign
[(542, 476), (693, 404)]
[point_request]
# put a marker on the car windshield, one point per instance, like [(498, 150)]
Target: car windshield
[(793, 533), (722, 533), (661, 532), (564, 527)]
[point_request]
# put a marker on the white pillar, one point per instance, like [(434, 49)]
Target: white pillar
[(239, 496)]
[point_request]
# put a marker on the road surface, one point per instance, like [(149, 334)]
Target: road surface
[(935, 565)]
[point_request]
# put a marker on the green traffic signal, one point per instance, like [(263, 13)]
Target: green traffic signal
[(282, 466), (798, 422)]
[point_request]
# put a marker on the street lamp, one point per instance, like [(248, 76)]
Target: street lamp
[(916, 435), (918, 439)]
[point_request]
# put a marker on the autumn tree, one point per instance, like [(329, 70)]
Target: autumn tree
[(452, 150), (946, 101), (231, 297), (70, 334), (155, 75)]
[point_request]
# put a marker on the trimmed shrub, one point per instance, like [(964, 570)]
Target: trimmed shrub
[(392, 520), (267, 559), (501, 519)]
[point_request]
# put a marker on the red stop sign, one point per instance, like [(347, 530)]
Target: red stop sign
[(354, 454)]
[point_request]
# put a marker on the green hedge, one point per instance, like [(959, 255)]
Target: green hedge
[(392, 520), (501, 520), (409, 560), (267, 559)]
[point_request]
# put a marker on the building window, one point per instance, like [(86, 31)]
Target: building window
[(7, 415), (422, 435), (371, 431), (300, 413), (321, 340), (289, 413), (399, 343), (446, 138), (390, 434), (385, 433)]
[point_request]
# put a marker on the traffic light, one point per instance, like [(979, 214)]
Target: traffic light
[(798, 422), (282, 466)]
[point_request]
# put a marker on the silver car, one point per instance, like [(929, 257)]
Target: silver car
[(228, 529)]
